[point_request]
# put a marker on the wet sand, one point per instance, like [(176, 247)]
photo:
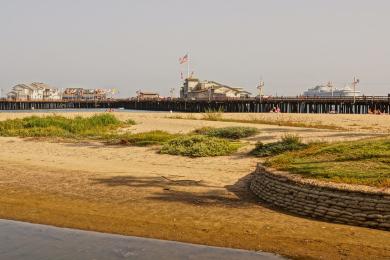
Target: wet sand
[(24, 241), (136, 191)]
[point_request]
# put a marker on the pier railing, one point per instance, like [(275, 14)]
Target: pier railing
[(298, 104)]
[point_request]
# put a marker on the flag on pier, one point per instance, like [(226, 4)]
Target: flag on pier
[(183, 59)]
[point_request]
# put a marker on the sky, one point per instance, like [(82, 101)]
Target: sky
[(135, 44)]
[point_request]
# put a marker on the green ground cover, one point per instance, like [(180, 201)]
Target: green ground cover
[(288, 143), (364, 162), (156, 137), (58, 126), (233, 132), (199, 146)]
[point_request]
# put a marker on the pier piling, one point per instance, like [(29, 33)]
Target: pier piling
[(317, 105)]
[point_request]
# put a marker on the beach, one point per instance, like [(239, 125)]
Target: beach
[(129, 190)]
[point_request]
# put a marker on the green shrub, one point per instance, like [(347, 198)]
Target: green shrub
[(143, 139), (288, 143), (199, 146), (234, 132), (130, 122), (59, 126), (291, 139)]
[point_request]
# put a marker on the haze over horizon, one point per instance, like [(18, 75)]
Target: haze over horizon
[(132, 45)]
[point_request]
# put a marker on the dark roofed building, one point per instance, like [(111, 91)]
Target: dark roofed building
[(195, 89), (147, 95)]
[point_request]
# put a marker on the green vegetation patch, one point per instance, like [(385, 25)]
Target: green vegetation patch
[(356, 162), (288, 143), (199, 146), (59, 126), (234, 132), (143, 139), (130, 122)]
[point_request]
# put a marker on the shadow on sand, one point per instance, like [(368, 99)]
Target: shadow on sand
[(194, 192), (236, 196)]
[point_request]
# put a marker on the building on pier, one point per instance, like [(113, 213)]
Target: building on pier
[(147, 95), (195, 89), (84, 94), (329, 91), (34, 91)]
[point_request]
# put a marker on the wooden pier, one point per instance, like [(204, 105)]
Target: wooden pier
[(340, 105)]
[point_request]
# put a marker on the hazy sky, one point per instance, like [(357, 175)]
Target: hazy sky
[(131, 45)]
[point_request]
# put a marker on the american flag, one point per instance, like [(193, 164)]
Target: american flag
[(183, 59)]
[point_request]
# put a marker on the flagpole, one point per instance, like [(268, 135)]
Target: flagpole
[(188, 66)]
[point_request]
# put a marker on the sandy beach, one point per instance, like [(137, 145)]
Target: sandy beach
[(137, 191)]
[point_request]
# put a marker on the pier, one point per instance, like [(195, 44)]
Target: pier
[(339, 105)]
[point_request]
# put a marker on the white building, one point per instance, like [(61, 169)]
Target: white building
[(34, 91), (329, 91), (196, 89), (84, 94)]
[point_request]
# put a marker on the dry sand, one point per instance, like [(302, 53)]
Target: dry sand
[(136, 191), (356, 123)]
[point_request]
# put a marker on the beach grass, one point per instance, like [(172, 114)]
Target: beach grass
[(288, 142), (130, 122), (95, 126), (213, 114), (364, 162), (104, 127), (233, 132), (156, 137), (199, 146)]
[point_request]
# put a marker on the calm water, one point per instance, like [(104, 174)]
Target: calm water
[(19, 241)]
